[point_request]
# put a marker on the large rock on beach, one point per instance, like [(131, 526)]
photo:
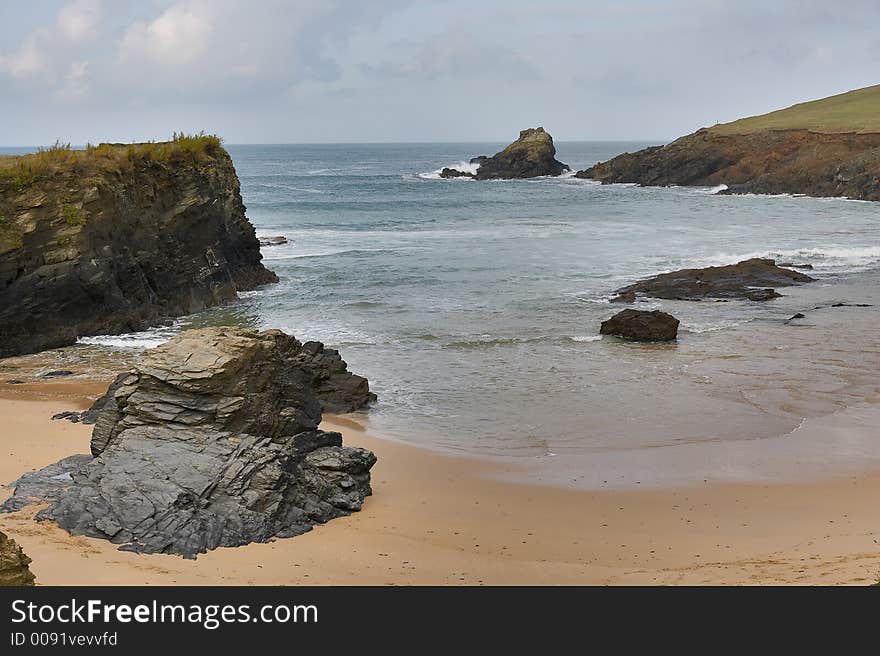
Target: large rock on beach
[(753, 280), (531, 155), (641, 326), (14, 563), (211, 441)]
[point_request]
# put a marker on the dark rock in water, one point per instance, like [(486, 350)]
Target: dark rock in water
[(799, 315), (625, 297), (115, 241), (273, 241), (531, 155), (861, 305), (767, 294), (744, 280), (641, 326), (211, 441), (57, 374), (792, 265), (455, 173), (14, 563)]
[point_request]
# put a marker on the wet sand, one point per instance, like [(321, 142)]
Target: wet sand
[(437, 519)]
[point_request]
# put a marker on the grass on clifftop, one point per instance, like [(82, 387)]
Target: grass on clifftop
[(20, 171), (853, 111)]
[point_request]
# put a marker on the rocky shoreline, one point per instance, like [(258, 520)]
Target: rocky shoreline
[(766, 162), (119, 238)]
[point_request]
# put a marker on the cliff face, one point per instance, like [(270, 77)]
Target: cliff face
[(119, 238), (763, 162)]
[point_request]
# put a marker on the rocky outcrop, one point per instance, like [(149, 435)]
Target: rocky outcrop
[(14, 563), (211, 441), (763, 162), (752, 280), (336, 388), (531, 155), (641, 326), (115, 239)]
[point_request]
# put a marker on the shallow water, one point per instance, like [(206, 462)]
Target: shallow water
[(474, 307)]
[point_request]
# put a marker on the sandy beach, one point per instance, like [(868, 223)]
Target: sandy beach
[(436, 519)]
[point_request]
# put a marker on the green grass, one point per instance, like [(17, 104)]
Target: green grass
[(21, 171), (73, 215), (854, 111)]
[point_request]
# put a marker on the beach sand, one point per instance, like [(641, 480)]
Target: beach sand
[(436, 519)]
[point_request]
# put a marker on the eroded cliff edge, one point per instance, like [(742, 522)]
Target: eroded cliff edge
[(763, 162), (117, 238)]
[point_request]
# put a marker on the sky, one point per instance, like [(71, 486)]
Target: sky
[(316, 71)]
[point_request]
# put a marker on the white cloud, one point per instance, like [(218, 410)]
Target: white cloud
[(179, 36), (75, 85), (46, 52), (28, 60), (79, 20)]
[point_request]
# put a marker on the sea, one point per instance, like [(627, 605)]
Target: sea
[(474, 309)]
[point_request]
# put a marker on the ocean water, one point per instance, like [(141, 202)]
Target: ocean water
[(474, 307)]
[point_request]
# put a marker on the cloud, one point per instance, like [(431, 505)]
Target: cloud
[(45, 52), (179, 36), (79, 20), (29, 60)]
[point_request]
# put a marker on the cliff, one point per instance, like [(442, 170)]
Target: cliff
[(116, 238), (829, 147)]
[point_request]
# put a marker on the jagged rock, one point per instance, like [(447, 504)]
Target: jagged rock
[(743, 280), (455, 173), (211, 441), (335, 386), (641, 326), (531, 155), (116, 240), (14, 563), (273, 241)]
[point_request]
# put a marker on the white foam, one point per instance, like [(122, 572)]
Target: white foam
[(586, 338), (143, 340), (832, 258), (464, 167)]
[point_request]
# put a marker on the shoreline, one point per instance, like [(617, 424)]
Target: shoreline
[(442, 519)]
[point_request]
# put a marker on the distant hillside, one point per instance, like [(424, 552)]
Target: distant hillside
[(828, 147), (853, 111)]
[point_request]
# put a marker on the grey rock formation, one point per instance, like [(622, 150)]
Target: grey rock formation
[(641, 326), (750, 279), (211, 441)]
